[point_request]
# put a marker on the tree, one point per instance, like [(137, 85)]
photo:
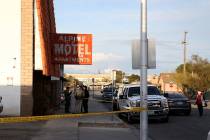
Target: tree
[(105, 79), (119, 76), (197, 76), (133, 78), (70, 81)]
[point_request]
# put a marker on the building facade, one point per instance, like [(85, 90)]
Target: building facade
[(29, 82), (87, 79), (167, 83)]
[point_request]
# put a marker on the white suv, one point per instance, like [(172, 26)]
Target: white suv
[(157, 104)]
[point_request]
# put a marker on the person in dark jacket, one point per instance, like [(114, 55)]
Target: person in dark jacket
[(199, 102), (85, 100), (67, 94)]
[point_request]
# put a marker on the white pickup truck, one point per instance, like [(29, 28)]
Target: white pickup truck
[(157, 104)]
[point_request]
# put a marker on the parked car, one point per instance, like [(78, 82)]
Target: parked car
[(1, 105), (108, 93), (178, 103), (157, 104), (115, 98)]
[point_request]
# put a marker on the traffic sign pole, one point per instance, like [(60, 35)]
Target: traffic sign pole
[(143, 73)]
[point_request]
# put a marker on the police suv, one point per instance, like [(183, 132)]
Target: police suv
[(157, 104)]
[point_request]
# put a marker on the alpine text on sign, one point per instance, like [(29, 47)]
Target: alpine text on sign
[(72, 49)]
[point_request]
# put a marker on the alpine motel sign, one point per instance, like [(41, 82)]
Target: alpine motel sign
[(71, 48)]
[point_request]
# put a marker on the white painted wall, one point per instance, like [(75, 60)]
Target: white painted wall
[(38, 55), (10, 55)]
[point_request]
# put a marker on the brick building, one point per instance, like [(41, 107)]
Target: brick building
[(167, 83), (30, 83)]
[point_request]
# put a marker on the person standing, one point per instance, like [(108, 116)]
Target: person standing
[(79, 95), (199, 102), (67, 95), (85, 100), (73, 100)]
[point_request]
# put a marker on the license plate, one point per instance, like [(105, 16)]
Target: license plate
[(151, 112), (179, 103)]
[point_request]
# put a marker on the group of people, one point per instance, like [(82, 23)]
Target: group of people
[(76, 99)]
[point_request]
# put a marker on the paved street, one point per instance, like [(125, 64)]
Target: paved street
[(179, 127), (20, 131)]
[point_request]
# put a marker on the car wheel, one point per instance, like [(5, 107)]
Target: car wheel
[(120, 115), (115, 107), (129, 118), (118, 107)]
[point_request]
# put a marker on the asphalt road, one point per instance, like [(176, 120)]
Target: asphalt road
[(179, 127)]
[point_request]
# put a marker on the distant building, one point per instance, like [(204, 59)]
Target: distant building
[(153, 79), (167, 83), (87, 79)]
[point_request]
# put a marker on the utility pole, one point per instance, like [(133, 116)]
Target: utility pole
[(143, 73), (185, 49)]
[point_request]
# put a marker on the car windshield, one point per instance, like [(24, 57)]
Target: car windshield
[(175, 95), (108, 90), (135, 91)]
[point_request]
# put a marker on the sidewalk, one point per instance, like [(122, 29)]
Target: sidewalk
[(108, 127)]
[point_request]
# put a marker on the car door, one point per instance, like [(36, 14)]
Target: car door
[(123, 100)]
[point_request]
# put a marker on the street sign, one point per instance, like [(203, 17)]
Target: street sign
[(71, 49), (136, 54)]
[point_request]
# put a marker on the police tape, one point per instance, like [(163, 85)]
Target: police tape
[(62, 116)]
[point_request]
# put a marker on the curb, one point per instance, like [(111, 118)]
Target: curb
[(102, 124)]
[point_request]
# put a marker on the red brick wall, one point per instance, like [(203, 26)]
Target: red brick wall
[(46, 17), (46, 91), (26, 57), (46, 26)]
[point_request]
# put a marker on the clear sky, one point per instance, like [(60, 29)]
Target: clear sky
[(115, 23)]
